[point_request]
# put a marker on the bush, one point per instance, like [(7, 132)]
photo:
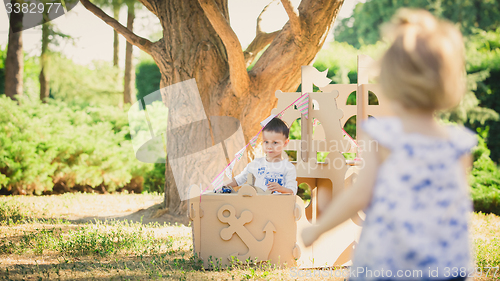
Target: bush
[(155, 179), (483, 55), (147, 78), (93, 84), (484, 179), (54, 147)]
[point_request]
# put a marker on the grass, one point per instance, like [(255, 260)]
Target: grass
[(38, 241), (486, 233)]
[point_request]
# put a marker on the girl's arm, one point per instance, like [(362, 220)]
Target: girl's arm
[(351, 200)]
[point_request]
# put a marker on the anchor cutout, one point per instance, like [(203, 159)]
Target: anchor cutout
[(256, 248)]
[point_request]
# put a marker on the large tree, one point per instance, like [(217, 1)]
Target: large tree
[(198, 42)]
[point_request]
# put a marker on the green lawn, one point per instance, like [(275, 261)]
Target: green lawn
[(65, 237)]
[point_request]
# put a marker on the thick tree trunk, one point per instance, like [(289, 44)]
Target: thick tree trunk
[(193, 50), (44, 60), (14, 62), (128, 88), (116, 42), (199, 43)]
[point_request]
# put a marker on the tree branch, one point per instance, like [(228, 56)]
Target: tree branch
[(280, 64), (293, 17), (237, 68), (261, 40), (149, 5), (259, 18), (142, 43)]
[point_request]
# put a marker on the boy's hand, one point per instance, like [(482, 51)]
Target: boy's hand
[(274, 186)]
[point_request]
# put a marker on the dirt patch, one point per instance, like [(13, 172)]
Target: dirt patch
[(85, 207), (151, 214)]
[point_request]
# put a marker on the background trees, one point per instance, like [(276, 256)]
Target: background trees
[(363, 26)]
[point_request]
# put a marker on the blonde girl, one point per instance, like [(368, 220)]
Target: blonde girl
[(413, 185)]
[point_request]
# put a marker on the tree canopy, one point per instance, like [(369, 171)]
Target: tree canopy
[(363, 26)]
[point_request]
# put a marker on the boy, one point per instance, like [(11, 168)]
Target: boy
[(271, 172)]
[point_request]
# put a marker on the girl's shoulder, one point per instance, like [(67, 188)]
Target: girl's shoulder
[(462, 138), (389, 132), (384, 130)]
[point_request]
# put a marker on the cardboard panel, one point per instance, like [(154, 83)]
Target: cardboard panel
[(245, 226), (251, 225)]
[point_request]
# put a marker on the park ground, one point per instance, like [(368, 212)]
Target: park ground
[(129, 237)]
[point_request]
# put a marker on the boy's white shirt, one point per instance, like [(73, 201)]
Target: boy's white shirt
[(282, 172)]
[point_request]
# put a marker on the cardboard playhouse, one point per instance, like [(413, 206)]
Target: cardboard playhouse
[(255, 226)]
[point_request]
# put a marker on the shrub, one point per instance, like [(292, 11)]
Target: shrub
[(484, 179), (155, 179), (147, 78), (47, 146)]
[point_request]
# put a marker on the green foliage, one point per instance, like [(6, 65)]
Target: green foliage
[(47, 145), (340, 59), (86, 85), (483, 55), (487, 244), (102, 239), (363, 26), (31, 82), (469, 110), (98, 241), (3, 55), (487, 255), (11, 213), (485, 179), (147, 78), (304, 191), (155, 179), (483, 50)]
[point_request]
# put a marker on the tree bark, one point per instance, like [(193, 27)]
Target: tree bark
[(116, 42), (129, 70), (44, 60), (14, 62), (199, 43)]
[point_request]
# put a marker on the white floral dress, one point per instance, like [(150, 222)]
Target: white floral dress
[(418, 217)]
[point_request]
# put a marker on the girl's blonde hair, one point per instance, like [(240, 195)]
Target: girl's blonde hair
[(424, 66)]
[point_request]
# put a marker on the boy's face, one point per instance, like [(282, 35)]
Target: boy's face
[(273, 144)]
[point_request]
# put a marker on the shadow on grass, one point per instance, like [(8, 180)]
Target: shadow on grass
[(152, 215), (130, 268)]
